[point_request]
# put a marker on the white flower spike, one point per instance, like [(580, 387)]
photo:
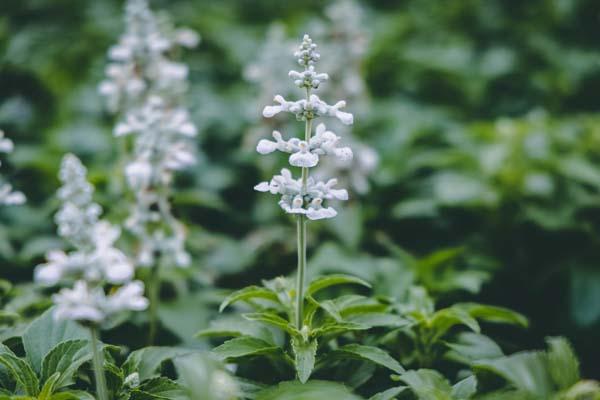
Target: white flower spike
[(304, 196), (145, 86)]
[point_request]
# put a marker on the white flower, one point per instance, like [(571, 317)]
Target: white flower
[(90, 305), (139, 174), (81, 304), (309, 109), (307, 154), (7, 195), (294, 201), (129, 297)]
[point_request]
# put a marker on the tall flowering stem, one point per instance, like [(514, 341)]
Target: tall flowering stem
[(306, 197), (93, 263), (145, 87), (98, 362)]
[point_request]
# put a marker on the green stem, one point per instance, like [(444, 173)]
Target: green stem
[(301, 226), (98, 361), (301, 233), (153, 299)]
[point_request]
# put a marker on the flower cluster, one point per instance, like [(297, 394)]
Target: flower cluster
[(145, 86), (139, 61), (7, 195), (94, 260), (306, 196)]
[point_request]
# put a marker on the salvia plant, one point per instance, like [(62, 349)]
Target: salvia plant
[(389, 327), (144, 86), (314, 327), (93, 264)]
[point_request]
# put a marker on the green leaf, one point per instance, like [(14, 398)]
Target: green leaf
[(244, 346), (332, 280), (525, 371), (312, 390), (65, 359), (248, 293), (470, 347), (273, 320), (562, 363), (49, 387), (72, 395), (447, 318), (158, 389), (44, 333), (204, 379), (493, 314), (369, 353), (305, 355), (428, 384), (236, 326), (21, 372), (337, 328), (389, 394), (465, 389), (147, 361)]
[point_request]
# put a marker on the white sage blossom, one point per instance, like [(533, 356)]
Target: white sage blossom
[(94, 257), (91, 305), (144, 85), (94, 260), (7, 195), (305, 195)]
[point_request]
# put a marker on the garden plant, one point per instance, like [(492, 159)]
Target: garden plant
[(440, 199)]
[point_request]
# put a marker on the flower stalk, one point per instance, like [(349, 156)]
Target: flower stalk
[(305, 197), (98, 363)]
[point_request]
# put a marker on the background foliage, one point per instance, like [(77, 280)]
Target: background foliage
[(484, 115)]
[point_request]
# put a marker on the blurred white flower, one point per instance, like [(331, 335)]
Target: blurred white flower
[(145, 86), (90, 305), (8, 196)]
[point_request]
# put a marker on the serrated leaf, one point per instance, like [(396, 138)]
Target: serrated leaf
[(247, 293), (160, 388), (50, 385), (312, 390), (305, 355), (236, 326), (65, 359), (244, 346), (370, 353), (337, 328), (147, 361), (21, 372), (44, 333), (273, 320), (332, 280)]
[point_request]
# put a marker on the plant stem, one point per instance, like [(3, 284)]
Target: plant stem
[(153, 299), (301, 234), (98, 362), (301, 225)]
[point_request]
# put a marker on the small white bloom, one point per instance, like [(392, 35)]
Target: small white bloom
[(139, 174)]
